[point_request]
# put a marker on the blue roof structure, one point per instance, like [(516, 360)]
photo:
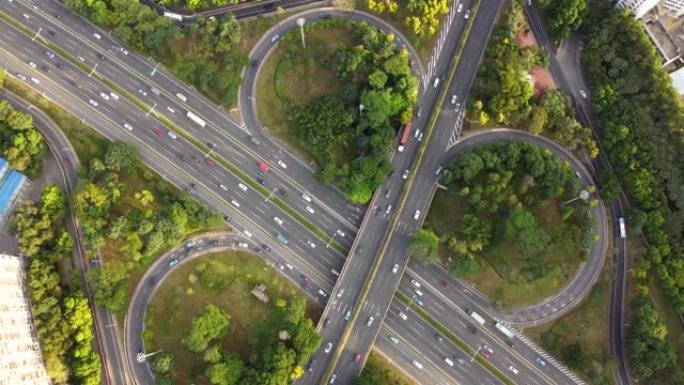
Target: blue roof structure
[(10, 186), (3, 167)]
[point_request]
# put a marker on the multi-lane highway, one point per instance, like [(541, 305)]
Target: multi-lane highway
[(173, 158)]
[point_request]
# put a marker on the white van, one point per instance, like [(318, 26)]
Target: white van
[(181, 97)]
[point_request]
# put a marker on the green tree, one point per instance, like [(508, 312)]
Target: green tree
[(609, 187), (229, 371), (121, 156), (423, 245), (521, 229), (163, 362), (210, 324), (647, 349), (109, 285), (565, 16)]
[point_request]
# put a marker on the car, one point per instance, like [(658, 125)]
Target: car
[(289, 266), (242, 186), (467, 14), (311, 244), (486, 352), (420, 137), (472, 328), (209, 162), (357, 357), (458, 107), (128, 127), (393, 339), (45, 68), (415, 134), (340, 233), (50, 54), (100, 56), (274, 38), (415, 283), (247, 233), (81, 58), (190, 244), (417, 364), (97, 35), (172, 135), (263, 166), (512, 369), (326, 322), (114, 95), (32, 64), (310, 209), (243, 245), (142, 92), (419, 301), (460, 361), (453, 99), (27, 17), (123, 50), (439, 338), (510, 343), (405, 174), (416, 215), (306, 198), (584, 94), (60, 66), (340, 293), (439, 170), (370, 321), (278, 220), (332, 379), (328, 347), (104, 96), (173, 262), (171, 109), (91, 101), (395, 268), (265, 247), (540, 361), (347, 315), (261, 181), (322, 293), (402, 316), (37, 81), (311, 366), (282, 164), (20, 76), (223, 187), (448, 361), (160, 133), (335, 272), (235, 203), (388, 210), (51, 32), (460, 8)]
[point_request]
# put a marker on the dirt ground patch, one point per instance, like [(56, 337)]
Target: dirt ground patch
[(541, 80)]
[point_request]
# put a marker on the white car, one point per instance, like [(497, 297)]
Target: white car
[(322, 293), (395, 268), (584, 94), (172, 135), (114, 96), (273, 40), (512, 369), (306, 198), (142, 92), (467, 14), (92, 103), (278, 221), (243, 244), (417, 364), (235, 203), (128, 127), (50, 54), (340, 293), (453, 99), (123, 51), (104, 96), (415, 134), (415, 283), (81, 58), (27, 17), (223, 187), (310, 209), (32, 64), (328, 347), (97, 35), (289, 267), (370, 321), (247, 233), (311, 244), (460, 8), (416, 215), (403, 316), (170, 109), (21, 77), (282, 164), (420, 137), (340, 233), (405, 174), (242, 186)]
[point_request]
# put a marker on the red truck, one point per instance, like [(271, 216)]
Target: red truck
[(404, 136)]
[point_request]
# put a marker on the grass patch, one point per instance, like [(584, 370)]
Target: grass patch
[(185, 292), (253, 29), (293, 75), (381, 370), (585, 352)]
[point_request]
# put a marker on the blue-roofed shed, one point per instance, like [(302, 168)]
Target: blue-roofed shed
[(9, 190)]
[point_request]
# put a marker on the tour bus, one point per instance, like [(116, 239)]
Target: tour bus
[(476, 317)]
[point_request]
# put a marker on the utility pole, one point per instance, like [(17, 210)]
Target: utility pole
[(151, 109), (40, 29), (300, 22), (93, 71), (154, 71), (327, 245), (213, 146)]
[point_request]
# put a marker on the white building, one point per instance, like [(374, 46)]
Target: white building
[(674, 7), (638, 7), (21, 361)]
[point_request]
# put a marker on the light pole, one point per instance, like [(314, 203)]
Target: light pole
[(154, 71), (583, 195), (271, 194), (93, 71), (474, 354), (141, 357), (213, 146), (151, 109), (409, 304), (300, 22), (361, 108), (38, 33), (327, 245)]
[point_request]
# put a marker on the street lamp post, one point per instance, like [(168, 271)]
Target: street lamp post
[(151, 109), (37, 34), (154, 71), (409, 304), (361, 108), (93, 70), (142, 357), (213, 146), (474, 354), (271, 194), (300, 22), (327, 245)]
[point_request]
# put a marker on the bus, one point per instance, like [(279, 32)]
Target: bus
[(503, 329), (404, 136), (623, 231), (476, 317), (196, 119), (173, 16)]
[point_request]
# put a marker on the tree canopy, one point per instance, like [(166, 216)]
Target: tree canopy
[(20, 143)]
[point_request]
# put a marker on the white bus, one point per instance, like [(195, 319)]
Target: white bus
[(196, 119), (623, 231), (476, 317), (173, 16), (504, 330)]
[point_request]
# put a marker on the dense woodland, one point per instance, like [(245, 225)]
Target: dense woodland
[(137, 223), (20, 143), (274, 361), (61, 314), (564, 16), (502, 93), (422, 16), (641, 124), (351, 135), (204, 54)]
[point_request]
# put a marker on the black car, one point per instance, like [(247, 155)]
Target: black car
[(472, 328), (439, 338), (311, 366), (510, 343), (227, 218), (60, 65), (326, 322), (99, 56), (266, 248), (261, 181), (45, 68), (51, 32)]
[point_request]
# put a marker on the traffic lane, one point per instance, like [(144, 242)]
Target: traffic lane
[(105, 45), (451, 313), (111, 72)]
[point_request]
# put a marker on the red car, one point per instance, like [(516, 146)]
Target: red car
[(357, 357), (263, 166), (159, 133), (210, 162), (486, 352)]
